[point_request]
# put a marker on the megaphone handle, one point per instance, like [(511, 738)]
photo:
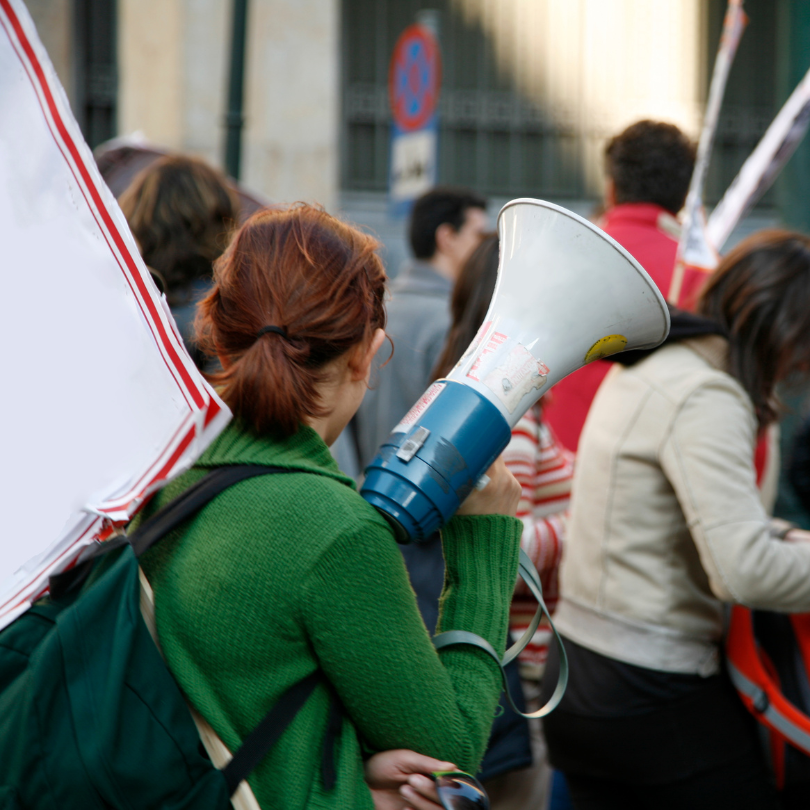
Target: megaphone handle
[(532, 579)]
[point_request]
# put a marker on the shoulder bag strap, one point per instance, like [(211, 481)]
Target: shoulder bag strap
[(259, 742), (161, 523), (193, 499), (264, 736), (532, 579)]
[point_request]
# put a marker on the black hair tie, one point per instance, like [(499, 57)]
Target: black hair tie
[(278, 330)]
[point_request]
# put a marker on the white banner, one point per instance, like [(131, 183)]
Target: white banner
[(763, 165), (101, 403)]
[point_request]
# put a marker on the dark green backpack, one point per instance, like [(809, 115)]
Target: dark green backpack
[(90, 716)]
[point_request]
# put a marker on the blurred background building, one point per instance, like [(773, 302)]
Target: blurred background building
[(531, 89)]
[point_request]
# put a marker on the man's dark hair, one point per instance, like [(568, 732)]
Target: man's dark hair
[(437, 206), (651, 162)]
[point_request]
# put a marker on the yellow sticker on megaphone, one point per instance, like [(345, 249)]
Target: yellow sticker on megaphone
[(604, 347)]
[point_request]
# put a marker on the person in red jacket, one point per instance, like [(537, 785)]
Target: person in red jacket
[(648, 167)]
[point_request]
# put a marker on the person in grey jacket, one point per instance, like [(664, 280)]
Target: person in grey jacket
[(446, 226), (667, 525)]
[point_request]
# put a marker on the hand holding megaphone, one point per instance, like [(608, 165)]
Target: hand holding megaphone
[(500, 494), (566, 294)]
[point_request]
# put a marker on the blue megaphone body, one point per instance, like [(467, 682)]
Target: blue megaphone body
[(566, 294)]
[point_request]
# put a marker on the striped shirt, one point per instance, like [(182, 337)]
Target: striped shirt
[(544, 469)]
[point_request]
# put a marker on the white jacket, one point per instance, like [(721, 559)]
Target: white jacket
[(666, 518)]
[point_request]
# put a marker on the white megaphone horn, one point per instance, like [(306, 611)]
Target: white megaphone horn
[(566, 294)]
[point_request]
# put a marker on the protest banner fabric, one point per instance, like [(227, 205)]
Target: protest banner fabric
[(102, 405), (763, 165)]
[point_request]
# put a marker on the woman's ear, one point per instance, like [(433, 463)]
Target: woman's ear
[(360, 364)]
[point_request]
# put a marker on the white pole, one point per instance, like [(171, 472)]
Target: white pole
[(692, 248), (763, 164)]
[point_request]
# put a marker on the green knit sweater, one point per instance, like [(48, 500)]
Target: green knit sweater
[(284, 574)]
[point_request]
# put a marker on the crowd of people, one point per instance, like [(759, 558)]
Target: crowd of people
[(641, 488)]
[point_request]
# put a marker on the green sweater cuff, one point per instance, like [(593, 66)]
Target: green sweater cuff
[(481, 562)]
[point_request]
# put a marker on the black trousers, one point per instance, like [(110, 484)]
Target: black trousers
[(700, 752), (731, 787)]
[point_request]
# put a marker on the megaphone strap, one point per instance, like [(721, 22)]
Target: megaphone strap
[(530, 576)]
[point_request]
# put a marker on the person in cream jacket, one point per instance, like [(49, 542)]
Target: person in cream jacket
[(667, 526)]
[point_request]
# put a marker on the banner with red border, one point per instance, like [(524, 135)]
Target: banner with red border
[(102, 404)]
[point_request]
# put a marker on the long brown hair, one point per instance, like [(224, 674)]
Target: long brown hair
[(760, 294), (470, 301), (307, 273), (182, 213)]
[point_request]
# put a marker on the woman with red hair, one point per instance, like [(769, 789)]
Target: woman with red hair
[(286, 575)]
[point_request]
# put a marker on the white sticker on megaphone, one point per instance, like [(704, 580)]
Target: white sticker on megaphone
[(495, 341), (418, 410), (521, 373)]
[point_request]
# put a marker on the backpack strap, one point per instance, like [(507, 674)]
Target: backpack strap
[(265, 735), (259, 741), (333, 727), (760, 691), (530, 576), (161, 523), (193, 499)]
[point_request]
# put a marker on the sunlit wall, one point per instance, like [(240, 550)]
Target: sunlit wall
[(597, 65)]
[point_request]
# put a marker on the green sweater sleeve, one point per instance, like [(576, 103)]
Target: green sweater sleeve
[(361, 617)]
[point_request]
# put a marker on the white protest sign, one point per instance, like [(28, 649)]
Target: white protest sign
[(101, 404)]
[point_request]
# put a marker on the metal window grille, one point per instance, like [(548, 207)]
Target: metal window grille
[(496, 140), (96, 70)]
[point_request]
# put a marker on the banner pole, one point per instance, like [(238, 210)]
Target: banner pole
[(692, 241), (234, 119), (763, 165)]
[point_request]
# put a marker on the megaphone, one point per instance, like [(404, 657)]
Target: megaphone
[(566, 294)]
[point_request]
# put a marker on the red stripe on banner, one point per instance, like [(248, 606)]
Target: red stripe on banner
[(181, 448), (152, 316), (140, 494), (149, 476), (210, 412), (136, 494)]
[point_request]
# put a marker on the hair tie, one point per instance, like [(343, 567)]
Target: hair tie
[(279, 330)]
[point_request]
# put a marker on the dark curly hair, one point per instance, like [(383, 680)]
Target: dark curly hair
[(651, 162), (182, 212)]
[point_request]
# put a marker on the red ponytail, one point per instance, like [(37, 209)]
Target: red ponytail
[(313, 276)]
